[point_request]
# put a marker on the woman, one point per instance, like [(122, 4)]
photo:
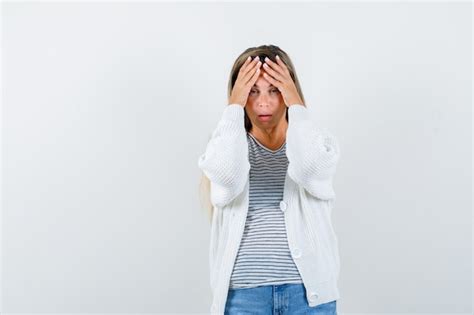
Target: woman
[(269, 171)]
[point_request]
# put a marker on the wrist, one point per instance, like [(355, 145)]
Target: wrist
[(296, 103), (236, 102)]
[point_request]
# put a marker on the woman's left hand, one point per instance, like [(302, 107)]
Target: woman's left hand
[(279, 75)]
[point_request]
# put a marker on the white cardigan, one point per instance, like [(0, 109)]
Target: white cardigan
[(308, 198)]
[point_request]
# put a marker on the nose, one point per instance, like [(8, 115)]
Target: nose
[(262, 99)]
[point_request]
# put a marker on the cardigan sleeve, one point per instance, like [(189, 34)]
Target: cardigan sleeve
[(313, 154), (225, 160)]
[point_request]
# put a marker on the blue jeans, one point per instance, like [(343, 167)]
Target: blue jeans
[(280, 299)]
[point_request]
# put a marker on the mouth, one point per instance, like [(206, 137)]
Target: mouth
[(264, 117)]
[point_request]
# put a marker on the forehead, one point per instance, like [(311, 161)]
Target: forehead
[(262, 83)]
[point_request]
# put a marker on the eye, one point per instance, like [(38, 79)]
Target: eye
[(272, 91)]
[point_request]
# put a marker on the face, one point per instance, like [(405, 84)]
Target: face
[(265, 99)]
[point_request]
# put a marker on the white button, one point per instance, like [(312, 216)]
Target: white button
[(296, 253), (214, 308), (282, 205), (313, 296)]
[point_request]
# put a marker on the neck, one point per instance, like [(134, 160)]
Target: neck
[(272, 138)]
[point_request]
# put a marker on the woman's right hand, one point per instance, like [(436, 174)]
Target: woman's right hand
[(248, 75)]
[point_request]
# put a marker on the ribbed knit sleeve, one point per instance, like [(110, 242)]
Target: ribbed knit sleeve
[(225, 160), (312, 152)]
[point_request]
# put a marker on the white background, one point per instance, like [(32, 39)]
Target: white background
[(107, 106)]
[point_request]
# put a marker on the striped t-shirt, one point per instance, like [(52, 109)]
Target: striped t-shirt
[(264, 257)]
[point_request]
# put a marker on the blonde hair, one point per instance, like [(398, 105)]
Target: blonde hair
[(263, 51)]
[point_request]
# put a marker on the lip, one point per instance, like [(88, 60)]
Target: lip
[(264, 117)]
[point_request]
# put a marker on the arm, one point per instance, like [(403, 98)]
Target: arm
[(312, 153), (225, 161)]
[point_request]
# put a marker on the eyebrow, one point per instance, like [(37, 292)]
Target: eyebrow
[(270, 86)]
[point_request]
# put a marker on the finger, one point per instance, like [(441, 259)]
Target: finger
[(246, 62), (254, 77), (275, 66), (248, 67), (282, 64), (272, 80), (273, 73), (244, 65), (251, 73)]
